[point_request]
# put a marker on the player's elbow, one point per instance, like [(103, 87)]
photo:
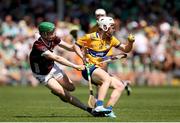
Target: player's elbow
[(75, 47), (72, 88), (127, 50), (72, 48)]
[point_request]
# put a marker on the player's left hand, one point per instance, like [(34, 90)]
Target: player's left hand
[(131, 38)]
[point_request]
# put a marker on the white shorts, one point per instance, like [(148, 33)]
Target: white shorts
[(55, 72)]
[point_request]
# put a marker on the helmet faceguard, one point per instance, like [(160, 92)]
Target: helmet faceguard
[(105, 22)]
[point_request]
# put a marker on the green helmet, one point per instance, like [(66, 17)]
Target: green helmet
[(46, 27)]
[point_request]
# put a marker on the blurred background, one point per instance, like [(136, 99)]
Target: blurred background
[(154, 61)]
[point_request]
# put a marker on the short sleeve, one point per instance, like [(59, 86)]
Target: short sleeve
[(115, 42), (57, 40), (83, 41)]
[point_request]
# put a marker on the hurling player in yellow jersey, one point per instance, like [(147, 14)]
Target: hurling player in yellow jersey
[(98, 46)]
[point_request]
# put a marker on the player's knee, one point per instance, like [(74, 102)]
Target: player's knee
[(120, 87), (72, 88), (67, 97)]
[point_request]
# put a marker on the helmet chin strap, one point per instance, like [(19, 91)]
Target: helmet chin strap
[(44, 41), (103, 35), (108, 35), (44, 35)]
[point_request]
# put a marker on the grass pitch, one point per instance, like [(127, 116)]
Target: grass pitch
[(27, 104)]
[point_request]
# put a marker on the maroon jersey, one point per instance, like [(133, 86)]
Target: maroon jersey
[(39, 64)]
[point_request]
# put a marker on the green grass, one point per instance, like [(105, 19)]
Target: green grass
[(38, 104)]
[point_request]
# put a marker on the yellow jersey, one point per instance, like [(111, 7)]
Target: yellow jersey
[(97, 49)]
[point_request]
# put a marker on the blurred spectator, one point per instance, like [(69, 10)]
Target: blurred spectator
[(98, 13), (9, 27)]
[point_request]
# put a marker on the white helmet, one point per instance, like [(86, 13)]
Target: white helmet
[(100, 12), (105, 22)]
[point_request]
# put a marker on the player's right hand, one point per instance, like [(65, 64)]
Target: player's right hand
[(80, 67), (131, 38)]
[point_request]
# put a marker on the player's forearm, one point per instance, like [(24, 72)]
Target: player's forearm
[(126, 47), (59, 59), (66, 46), (65, 62), (78, 51)]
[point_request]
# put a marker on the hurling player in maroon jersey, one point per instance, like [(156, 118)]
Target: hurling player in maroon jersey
[(44, 65)]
